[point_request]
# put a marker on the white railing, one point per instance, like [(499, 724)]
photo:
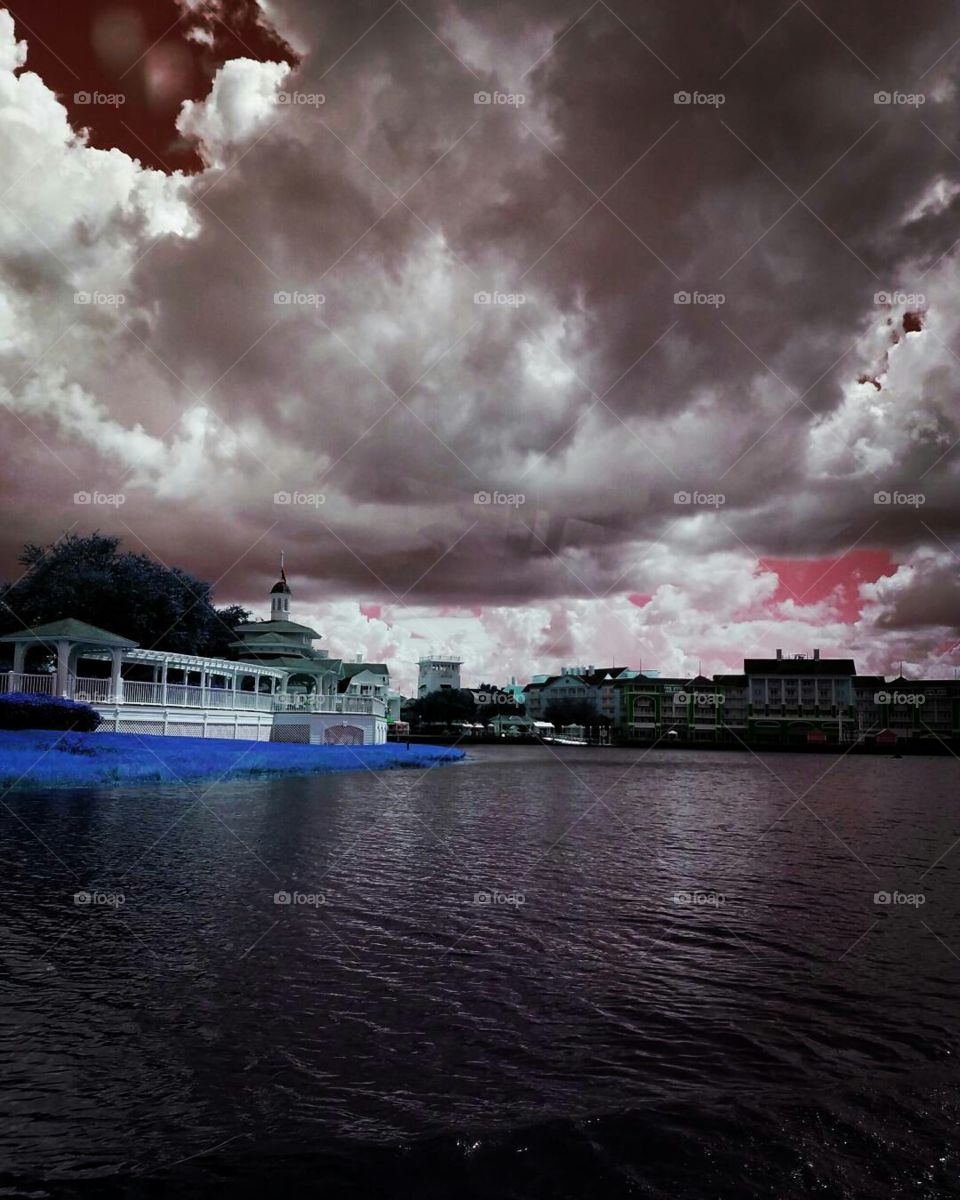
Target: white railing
[(175, 695), (93, 691), (135, 692), (180, 695), (13, 681), (329, 704)]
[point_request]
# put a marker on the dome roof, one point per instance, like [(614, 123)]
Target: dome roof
[(280, 586)]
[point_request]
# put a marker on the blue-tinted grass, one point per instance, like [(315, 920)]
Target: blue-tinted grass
[(46, 758)]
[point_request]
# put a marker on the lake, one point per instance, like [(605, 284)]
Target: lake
[(565, 973)]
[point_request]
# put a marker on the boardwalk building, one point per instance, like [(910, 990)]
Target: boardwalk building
[(279, 687)]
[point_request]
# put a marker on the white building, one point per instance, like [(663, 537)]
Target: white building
[(437, 675), (281, 689)]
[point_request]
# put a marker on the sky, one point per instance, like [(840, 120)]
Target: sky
[(535, 333)]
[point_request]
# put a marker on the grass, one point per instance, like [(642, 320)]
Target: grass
[(44, 758)]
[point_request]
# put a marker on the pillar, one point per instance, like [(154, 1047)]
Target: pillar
[(63, 668), (19, 656), (116, 675), (163, 683)]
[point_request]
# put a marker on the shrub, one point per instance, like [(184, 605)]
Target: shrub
[(26, 710)]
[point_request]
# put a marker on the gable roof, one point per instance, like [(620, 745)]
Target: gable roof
[(72, 630), (348, 670)]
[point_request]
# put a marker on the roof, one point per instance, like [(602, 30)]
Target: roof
[(280, 586), (303, 666), (730, 679), (799, 666), (72, 630), (350, 669), (275, 627), (194, 662), (595, 678)]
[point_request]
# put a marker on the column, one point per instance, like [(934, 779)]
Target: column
[(163, 683), (19, 657), (116, 675), (63, 668)]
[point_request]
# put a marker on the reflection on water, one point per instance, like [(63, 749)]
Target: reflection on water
[(532, 940)]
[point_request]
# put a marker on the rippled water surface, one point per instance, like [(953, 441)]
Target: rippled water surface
[(582, 973)]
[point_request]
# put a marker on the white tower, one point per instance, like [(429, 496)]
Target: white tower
[(280, 597), (438, 675)]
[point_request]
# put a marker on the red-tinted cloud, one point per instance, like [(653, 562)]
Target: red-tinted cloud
[(810, 580), (143, 53)]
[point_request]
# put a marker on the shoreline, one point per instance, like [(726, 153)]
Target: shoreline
[(927, 748), (34, 759)]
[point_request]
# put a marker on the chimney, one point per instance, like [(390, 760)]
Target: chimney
[(816, 656), (360, 657), (779, 655)]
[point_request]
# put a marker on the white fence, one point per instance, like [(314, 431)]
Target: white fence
[(178, 695), (44, 685)]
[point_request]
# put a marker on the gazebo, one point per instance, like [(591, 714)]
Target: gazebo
[(68, 640)]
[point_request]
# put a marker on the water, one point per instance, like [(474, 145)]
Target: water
[(577, 1030)]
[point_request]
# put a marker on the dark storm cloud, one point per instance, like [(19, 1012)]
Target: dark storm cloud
[(402, 398)]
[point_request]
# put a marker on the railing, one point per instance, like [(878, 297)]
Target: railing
[(13, 681), (176, 695), (180, 695), (329, 704), (93, 691), (135, 692)]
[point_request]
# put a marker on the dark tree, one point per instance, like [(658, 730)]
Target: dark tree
[(574, 712), (498, 703), (91, 579), (444, 707)]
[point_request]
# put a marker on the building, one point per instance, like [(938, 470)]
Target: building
[(280, 642), (601, 689), (438, 675), (279, 688), (782, 700), (791, 698)]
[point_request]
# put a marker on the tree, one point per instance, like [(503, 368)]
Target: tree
[(91, 579), (498, 703), (574, 712), (444, 707)]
